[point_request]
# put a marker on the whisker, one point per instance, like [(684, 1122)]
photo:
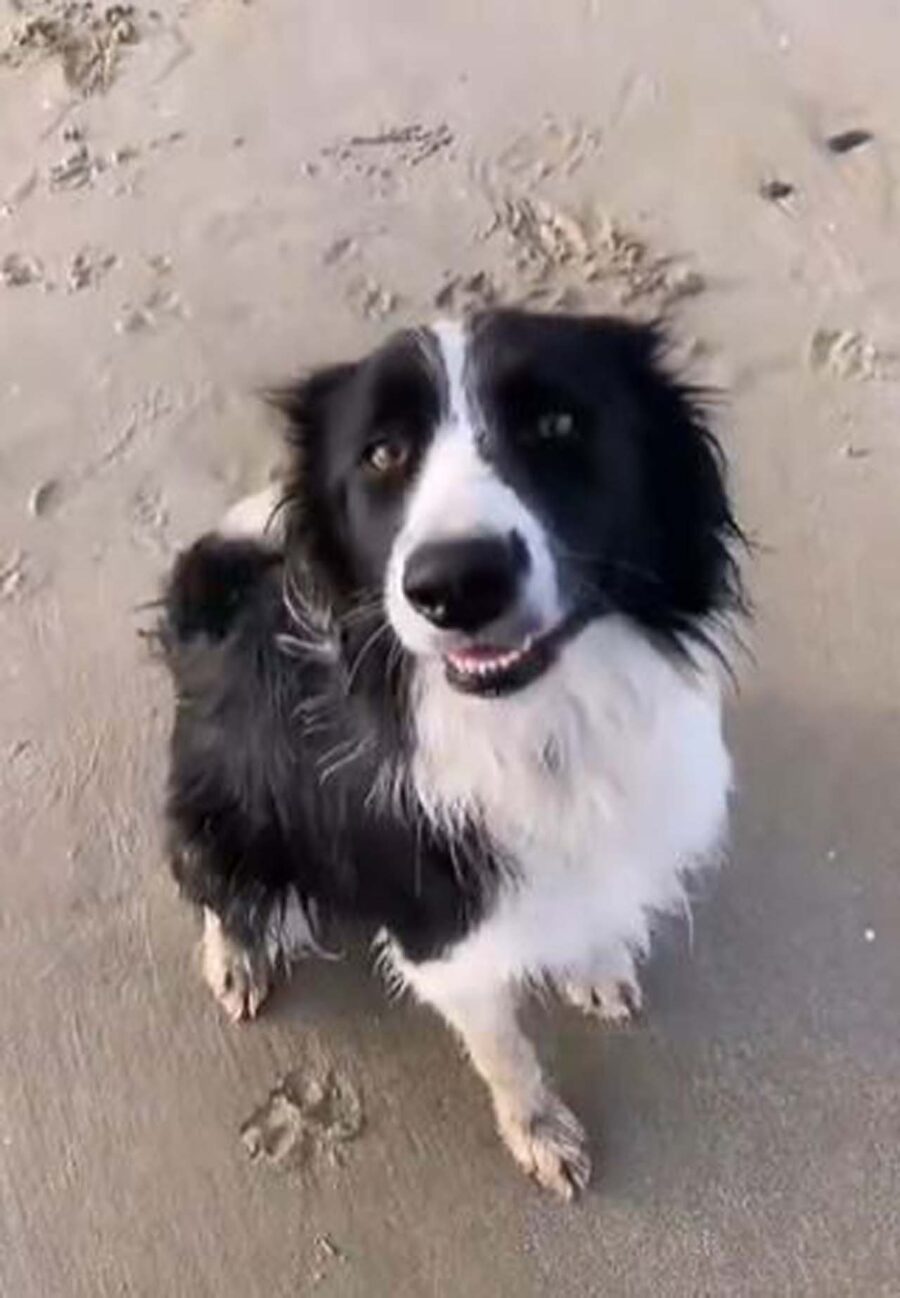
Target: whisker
[(318, 727), (372, 639), (289, 595), (316, 703), (358, 747), (368, 595), (299, 608), (605, 563), (362, 612), (314, 714), (294, 647)]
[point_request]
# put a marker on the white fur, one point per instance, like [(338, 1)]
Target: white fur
[(238, 977), (601, 784), (458, 494), (452, 341), (255, 518)]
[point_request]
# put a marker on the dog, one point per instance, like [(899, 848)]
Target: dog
[(461, 680)]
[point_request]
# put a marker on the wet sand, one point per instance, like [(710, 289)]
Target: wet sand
[(200, 198)]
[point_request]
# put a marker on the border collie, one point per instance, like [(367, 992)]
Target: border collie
[(460, 681)]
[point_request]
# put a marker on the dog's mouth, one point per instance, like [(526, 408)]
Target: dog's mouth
[(494, 670)]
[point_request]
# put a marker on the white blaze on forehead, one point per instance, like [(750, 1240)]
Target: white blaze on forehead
[(458, 492), (452, 341)]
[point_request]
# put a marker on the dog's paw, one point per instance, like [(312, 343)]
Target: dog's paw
[(617, 1001), (240, 979), (550, 1145)]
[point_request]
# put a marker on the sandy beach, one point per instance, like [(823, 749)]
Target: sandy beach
[(199, 198)]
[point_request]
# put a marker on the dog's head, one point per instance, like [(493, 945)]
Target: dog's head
[(494, 486)]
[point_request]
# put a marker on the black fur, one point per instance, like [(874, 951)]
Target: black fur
[(637, 502), (280, 751), (292, 734)]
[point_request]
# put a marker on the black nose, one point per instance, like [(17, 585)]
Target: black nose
[(465, 584)]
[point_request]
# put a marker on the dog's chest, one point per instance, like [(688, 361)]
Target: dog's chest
[(543, 783), (597, 785)]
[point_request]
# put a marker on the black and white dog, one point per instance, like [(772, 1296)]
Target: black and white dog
[(460, 682)]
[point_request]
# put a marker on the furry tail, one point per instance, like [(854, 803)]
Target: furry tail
[(211, 584)]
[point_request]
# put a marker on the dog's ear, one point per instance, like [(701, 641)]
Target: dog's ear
[(306, 404), (686, 477), (310, 408)]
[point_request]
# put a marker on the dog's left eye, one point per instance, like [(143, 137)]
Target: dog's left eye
[(556, 426), (388, 457)]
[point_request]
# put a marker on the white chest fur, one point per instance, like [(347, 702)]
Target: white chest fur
[(600, 784)]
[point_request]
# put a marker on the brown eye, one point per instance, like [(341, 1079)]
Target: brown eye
[(556, 426), (388, 458)]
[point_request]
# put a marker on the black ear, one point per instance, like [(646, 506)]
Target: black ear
[(311, 410), (307, 403), (686, 482)]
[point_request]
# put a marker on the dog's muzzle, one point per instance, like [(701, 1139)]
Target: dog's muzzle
[(473, 591)]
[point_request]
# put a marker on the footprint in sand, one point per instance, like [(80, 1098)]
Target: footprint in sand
[(308, 1120)]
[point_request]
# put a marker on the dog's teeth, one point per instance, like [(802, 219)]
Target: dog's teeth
[(484, 668)]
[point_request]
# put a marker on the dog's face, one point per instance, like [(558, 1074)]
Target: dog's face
[(499, 484)]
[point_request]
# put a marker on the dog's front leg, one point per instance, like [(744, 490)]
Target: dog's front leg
[(239, 972), (544, 1137), (238, 975)]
